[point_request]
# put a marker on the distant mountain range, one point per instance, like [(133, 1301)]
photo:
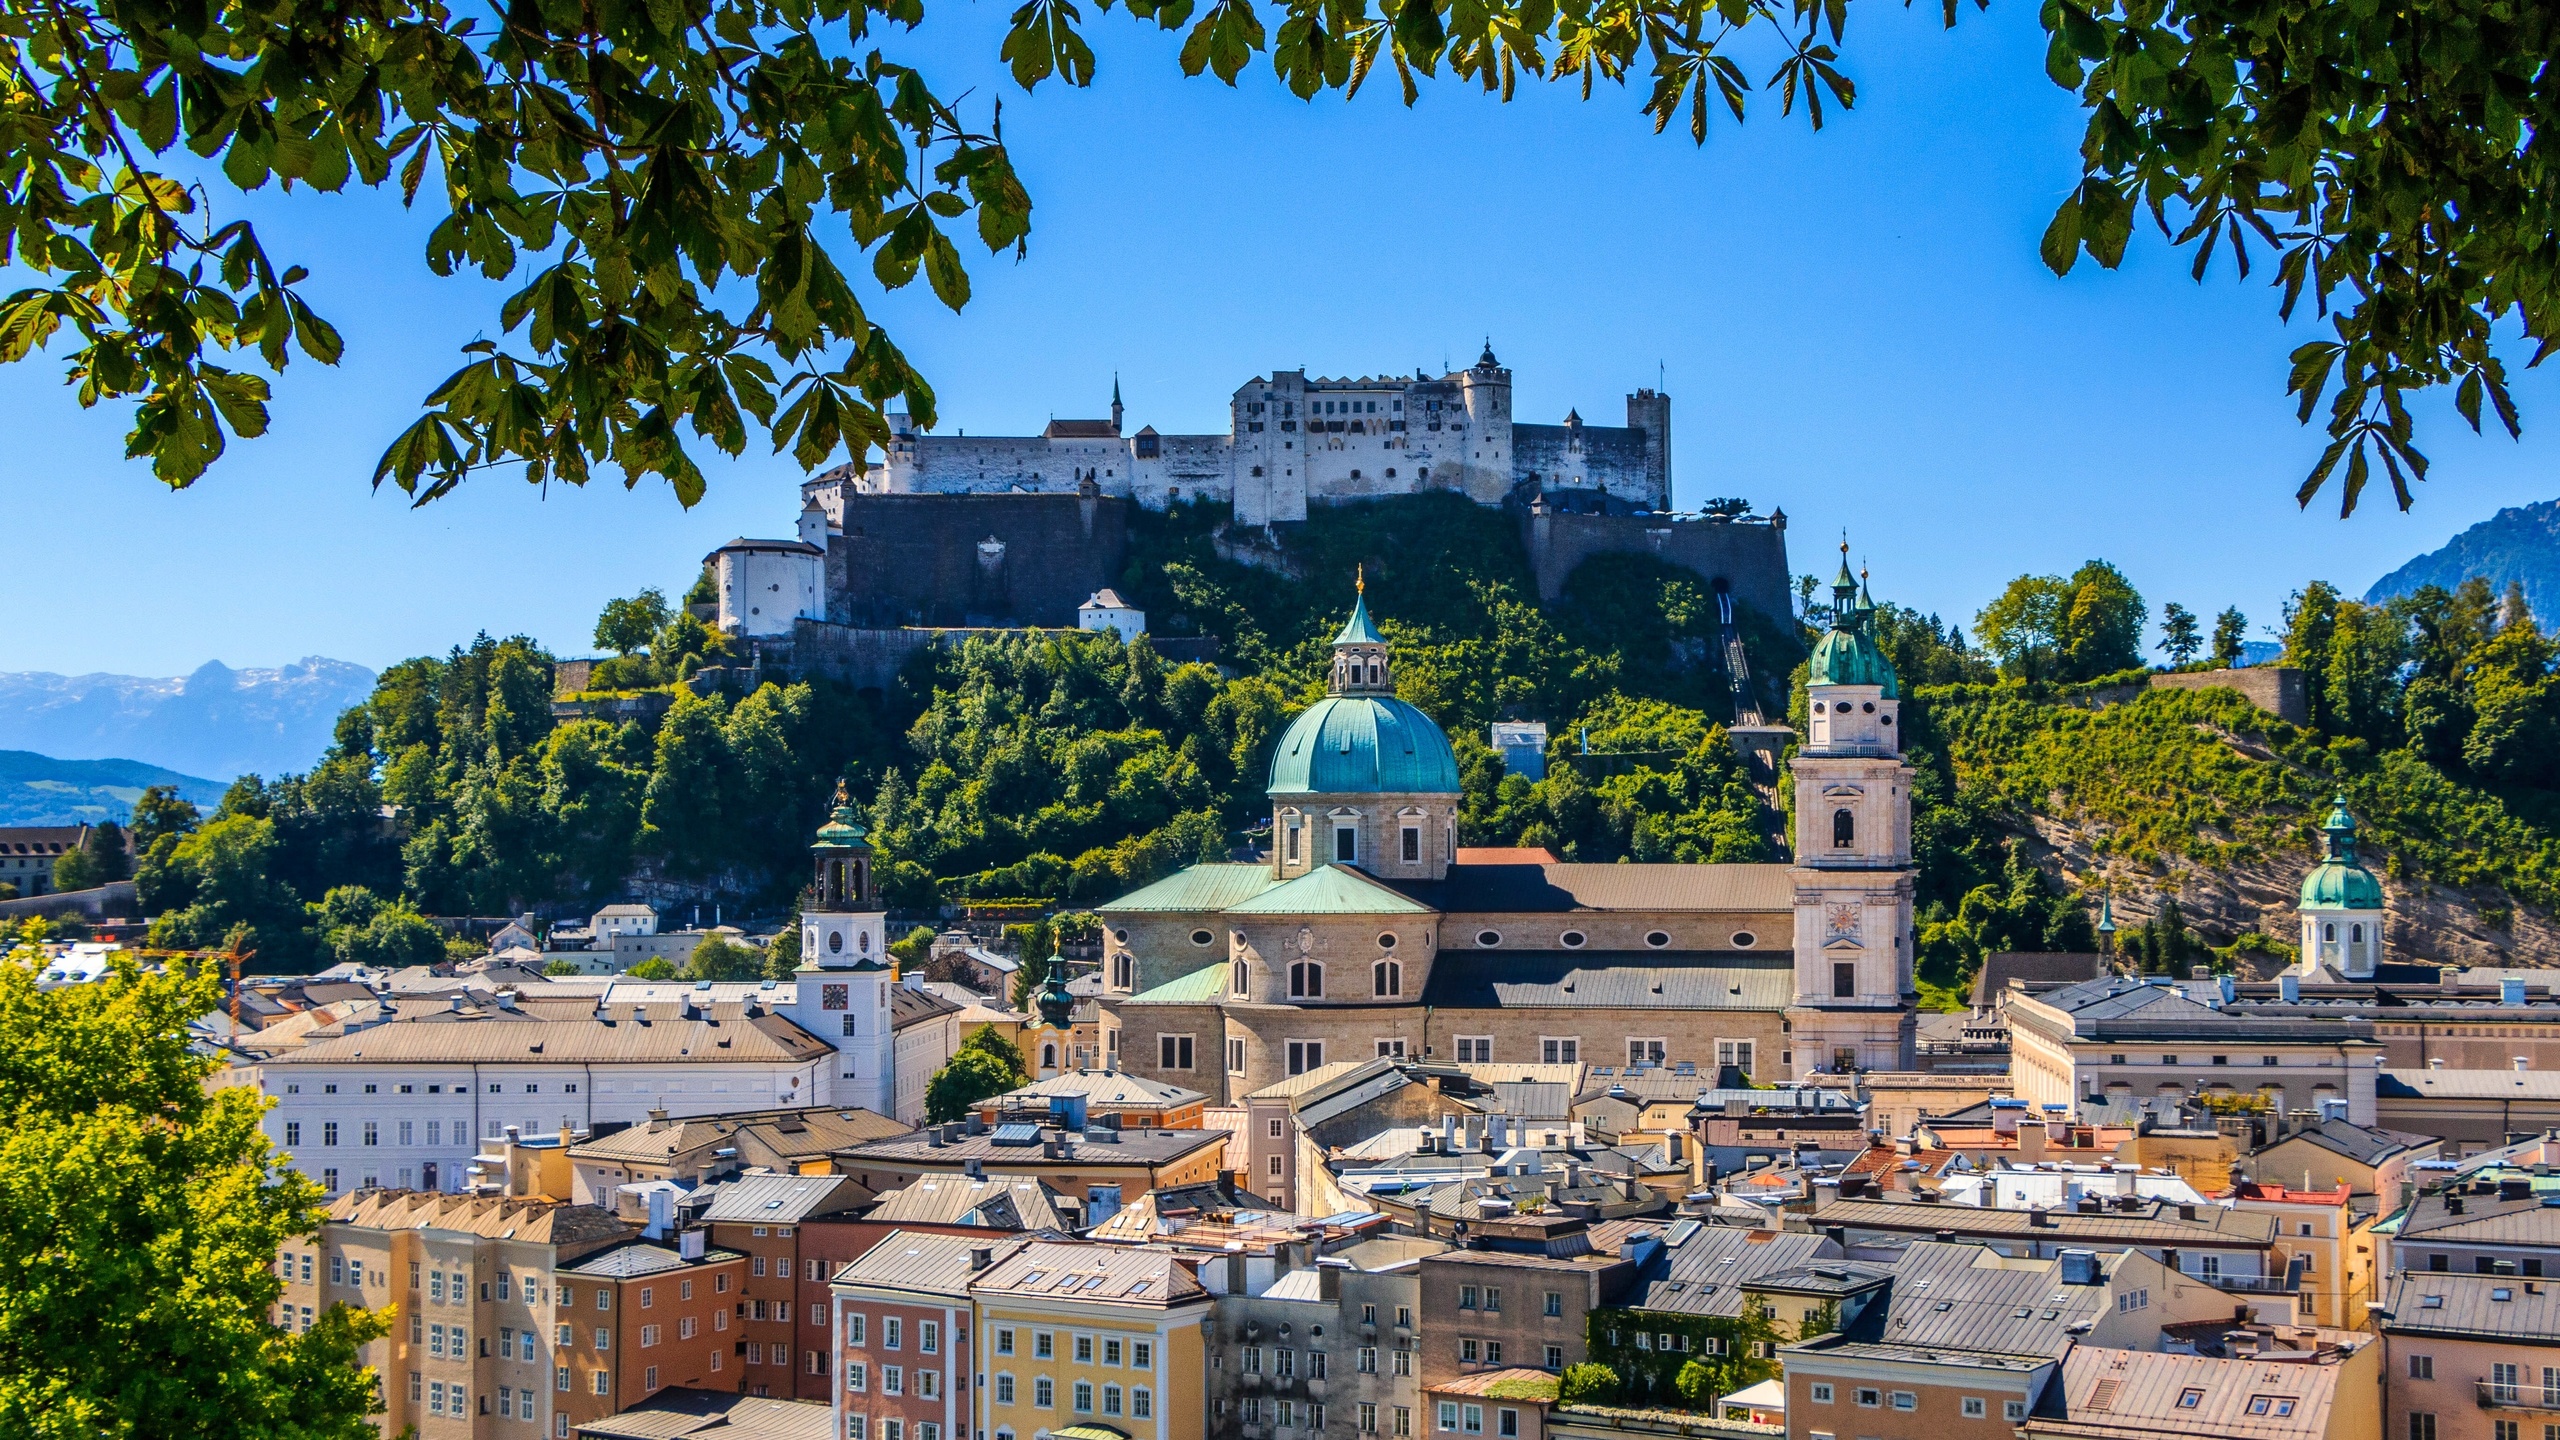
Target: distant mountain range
[(2520, 543), (40, 790), (218, 721)]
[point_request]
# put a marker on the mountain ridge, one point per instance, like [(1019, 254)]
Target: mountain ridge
[(215, 721), (45, 790), (2520, 544)]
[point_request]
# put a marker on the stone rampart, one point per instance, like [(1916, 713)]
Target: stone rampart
[(2276, 689), (1750, 557), (972, 560)]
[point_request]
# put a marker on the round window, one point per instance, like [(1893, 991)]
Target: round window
[(1887, 720), (1488, 937), (1869, 707), (835, 942), (1744, 939), (1571, 939), (1817, 707), (1120, 935), (1657, 939), (1201, 937), (1387, 941)]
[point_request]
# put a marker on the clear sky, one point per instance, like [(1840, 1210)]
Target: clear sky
[(1852, 325)]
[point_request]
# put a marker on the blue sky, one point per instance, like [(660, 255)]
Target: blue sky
[(1853, 325)]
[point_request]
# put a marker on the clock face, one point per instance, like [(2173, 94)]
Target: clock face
[(1840, 919)]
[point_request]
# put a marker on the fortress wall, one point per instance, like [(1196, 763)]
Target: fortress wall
[(915, 559), (1750, 559), (1186, 467), (1613, 458)]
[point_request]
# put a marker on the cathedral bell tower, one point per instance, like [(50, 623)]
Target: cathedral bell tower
[(1855, 1001), (842, 985)]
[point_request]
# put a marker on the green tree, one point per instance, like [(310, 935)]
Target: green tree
[(656, 967), (1006, 1053), (718, 958), (2230, 634), (562, 967), (913, 948), (1699, 1383), (2100, 628), (968, 1077), (2023, 625), (683, 815), (218, 879), (2180, 636), (143, 1218), (627, 625), (1587, 1384), (77, 869)]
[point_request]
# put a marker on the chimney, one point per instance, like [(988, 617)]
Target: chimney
[(2079, 1267), (657, 1114), (974, 1168), (2511, 992), (2523, 1062), (933, 1137), (689, 1244), (980, 1257), (2032, 1138)]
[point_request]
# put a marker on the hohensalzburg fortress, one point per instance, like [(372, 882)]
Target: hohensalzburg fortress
[(1292, 441)]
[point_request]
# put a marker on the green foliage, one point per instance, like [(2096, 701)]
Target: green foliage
[(719, 958), (2180, 636), (2044, 627), (2163, 944), (77, 869), (352, 925), (1587, 1384), (140, 1226), (1651, 1375), (2016, 911), (986, 1040), (2230, 633), (972, 1074), (656, 967), (627, 625), (1662, 783), (562, 967), (911, 949)]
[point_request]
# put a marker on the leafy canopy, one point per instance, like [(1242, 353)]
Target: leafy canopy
[(141, 1217), (674, 186)]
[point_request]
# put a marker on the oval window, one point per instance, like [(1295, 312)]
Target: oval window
[(1869, 707), (1120, 935), (1387, 941), (1886, 720), (835, 942), (1201, 937), (866, 942), (1488, 937), (1744, 939), (1571, 939), (1657, 939)]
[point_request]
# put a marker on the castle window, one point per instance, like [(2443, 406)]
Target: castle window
[(1488, 938), (1844, 980), (1049, 1057), (1146, 447), (1386, 978), (1346, 844), (1391, 472), (1844, 830), (1306, 981), (1744, 939), (1201, 937), (1305, 1055), (1413, 842)]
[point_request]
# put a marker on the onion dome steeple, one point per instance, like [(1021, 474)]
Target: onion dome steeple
[(2340, 881), (1847, 653)]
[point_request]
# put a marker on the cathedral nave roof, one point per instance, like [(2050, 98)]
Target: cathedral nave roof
[(1606, 980)]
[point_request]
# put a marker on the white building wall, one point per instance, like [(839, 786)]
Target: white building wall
[(762, 591), (440, 1113)]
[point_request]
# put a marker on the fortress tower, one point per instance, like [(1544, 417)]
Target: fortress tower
[(1854, 996)]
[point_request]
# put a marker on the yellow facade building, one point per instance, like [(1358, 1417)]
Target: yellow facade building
[(1081, 1339)]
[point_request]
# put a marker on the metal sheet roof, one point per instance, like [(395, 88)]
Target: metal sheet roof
[(1202, 986), (2498, 1307), (781, 1199), (1968, 1299), (675, 1413), (1210, 887), (916, 1262), (1566, 886), (1333, 890), (726, 1036), (1704, 1273)]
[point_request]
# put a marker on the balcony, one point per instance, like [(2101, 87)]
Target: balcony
[(2250, 1284), (2495, 1396)]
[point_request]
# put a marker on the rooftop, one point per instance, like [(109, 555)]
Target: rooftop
[(555, 1222), (1106, 1090), (997, 1203), (678, 1413), (789, 1133), (635, 1258), (1010, 1151), (2212, 1226), (2139, 1393), (725, 1035), (918, 1263), (1089, 1274), (2486, 1307), (781, 1199), (1615, 980)]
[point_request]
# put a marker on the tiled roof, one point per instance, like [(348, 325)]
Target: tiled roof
[(1612, 980), (1201, 888), (1089, 1274), (665, 1038), (2495, 1307), (1496, 889), (1323, 1079), (2035, 967), (553, 1222), (780, 1199), (910, 1006), (912, 1261), (2359, 1143), (1332, 890)]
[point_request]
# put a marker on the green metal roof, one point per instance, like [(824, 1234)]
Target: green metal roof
[(1211, 887), (1363, 745), (1850, 656), (1357, 630), (1333, 890), (1201, 986), (2340, 881), (843, 831)]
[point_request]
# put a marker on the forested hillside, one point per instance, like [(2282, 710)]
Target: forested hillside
[(1066, 767)]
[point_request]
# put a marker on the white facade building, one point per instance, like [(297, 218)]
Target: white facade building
[(1107, 611), (1292, 441), (766, 585)]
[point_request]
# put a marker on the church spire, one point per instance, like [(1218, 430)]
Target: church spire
[(1115, 402), (1360, 665)]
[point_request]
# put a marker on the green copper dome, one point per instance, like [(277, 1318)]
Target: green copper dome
[(1357, 630), (1847, 653), (2340, 881), (1363, 745)]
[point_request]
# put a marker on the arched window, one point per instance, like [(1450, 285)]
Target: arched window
[(2329, 933), (1844, 830), (1306, 981), (1121, 971), (1374, 674), (1386, 978), (1049, 1057), (2356, 933), (1238, 980)]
